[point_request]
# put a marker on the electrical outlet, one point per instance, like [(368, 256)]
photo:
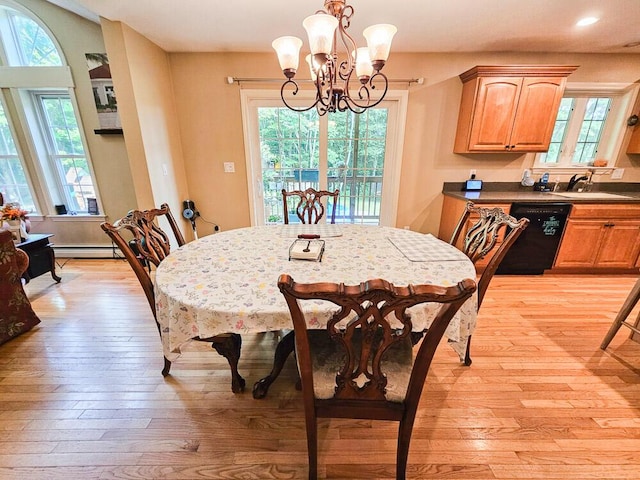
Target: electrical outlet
[(229, 167), (617, 173), (472, 172)]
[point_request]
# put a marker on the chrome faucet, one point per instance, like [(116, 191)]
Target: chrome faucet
[(575, 179)]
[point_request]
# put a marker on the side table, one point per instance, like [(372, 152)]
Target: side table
[(42, 258)]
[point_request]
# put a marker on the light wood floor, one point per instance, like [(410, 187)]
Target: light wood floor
[(82, 397)]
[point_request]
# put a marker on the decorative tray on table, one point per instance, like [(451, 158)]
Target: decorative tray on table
[(307, 249)]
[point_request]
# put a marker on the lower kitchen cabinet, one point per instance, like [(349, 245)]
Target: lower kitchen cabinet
[(601, 236)]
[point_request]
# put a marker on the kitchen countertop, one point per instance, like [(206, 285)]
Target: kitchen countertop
[(506, 192)]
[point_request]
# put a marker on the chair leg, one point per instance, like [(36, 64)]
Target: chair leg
[(284, 348), (467, 355), (228, 345), (402, 454), (312, 446), (167, 367)]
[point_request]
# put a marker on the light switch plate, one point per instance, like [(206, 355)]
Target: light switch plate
[(229, 167), (617, 173)]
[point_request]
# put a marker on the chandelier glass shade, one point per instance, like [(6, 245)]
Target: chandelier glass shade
[(354, 83)]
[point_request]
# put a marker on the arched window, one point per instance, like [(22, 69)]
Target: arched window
[(47, 117), (29, 45)]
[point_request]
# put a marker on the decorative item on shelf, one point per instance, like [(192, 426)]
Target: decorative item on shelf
[(61, 209), (330, 76), (600, 162), (14, 219), (92, 206)]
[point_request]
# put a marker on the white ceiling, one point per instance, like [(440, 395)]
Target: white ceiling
[(423, 25)]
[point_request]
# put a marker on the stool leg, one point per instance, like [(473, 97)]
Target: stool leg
[(624, 312), (634, 335)]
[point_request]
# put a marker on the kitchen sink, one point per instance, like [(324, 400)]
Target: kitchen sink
[(589, 195)]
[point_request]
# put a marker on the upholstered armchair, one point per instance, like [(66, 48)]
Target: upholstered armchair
[(16, 314)]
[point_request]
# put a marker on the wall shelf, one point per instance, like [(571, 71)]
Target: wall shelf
[(108, 131)]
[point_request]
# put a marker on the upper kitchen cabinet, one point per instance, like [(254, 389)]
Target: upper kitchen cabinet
[(509, 108)]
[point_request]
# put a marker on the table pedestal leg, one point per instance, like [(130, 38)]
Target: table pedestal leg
[(228, 345), (283, 350)]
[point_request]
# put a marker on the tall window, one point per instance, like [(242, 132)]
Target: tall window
[(13, 181), (65, 150), (50, 122)]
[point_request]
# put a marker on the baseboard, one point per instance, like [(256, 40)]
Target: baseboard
[(87, 251)]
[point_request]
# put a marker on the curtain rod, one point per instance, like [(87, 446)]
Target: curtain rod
[(238, 80)]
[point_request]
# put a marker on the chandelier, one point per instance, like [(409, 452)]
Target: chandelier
[(335, 81)]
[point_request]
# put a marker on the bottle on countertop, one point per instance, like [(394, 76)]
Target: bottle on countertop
[(542, 185), (544, 178), (556, 185)]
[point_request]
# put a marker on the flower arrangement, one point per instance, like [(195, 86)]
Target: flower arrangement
[(12, 212)]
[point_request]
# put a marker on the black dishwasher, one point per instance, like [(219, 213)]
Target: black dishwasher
[(535, 249)]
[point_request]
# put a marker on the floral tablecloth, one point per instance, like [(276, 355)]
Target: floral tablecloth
[(227, 282)]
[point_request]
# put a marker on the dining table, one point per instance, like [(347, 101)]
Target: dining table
[(227, 282)]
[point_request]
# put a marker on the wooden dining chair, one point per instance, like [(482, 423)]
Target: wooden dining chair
[(308, 204), (363, 365), (494, 232), (148, 246)]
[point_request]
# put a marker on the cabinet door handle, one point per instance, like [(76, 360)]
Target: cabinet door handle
[(507, 147), (609, 224)]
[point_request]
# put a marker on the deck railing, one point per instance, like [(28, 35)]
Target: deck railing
[(359, 200)]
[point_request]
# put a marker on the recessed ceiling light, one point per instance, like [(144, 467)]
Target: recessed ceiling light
[(583, 22)]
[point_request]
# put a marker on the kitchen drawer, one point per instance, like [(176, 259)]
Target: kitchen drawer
[(590, 210)]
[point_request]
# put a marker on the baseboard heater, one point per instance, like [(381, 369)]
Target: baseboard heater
[(87, 251)]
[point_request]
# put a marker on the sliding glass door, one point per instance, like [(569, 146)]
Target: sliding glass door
[(357, 154)]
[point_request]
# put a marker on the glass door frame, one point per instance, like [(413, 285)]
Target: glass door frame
[(396, 103)]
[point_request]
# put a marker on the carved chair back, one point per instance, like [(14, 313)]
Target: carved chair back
[(148, 245), (362, 365), (308, 204), (494, 227)]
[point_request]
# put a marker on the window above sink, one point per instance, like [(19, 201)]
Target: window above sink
[(590, 126)]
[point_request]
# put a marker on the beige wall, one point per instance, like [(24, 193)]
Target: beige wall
[(211, 126), (143, 82), (76, 37)]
